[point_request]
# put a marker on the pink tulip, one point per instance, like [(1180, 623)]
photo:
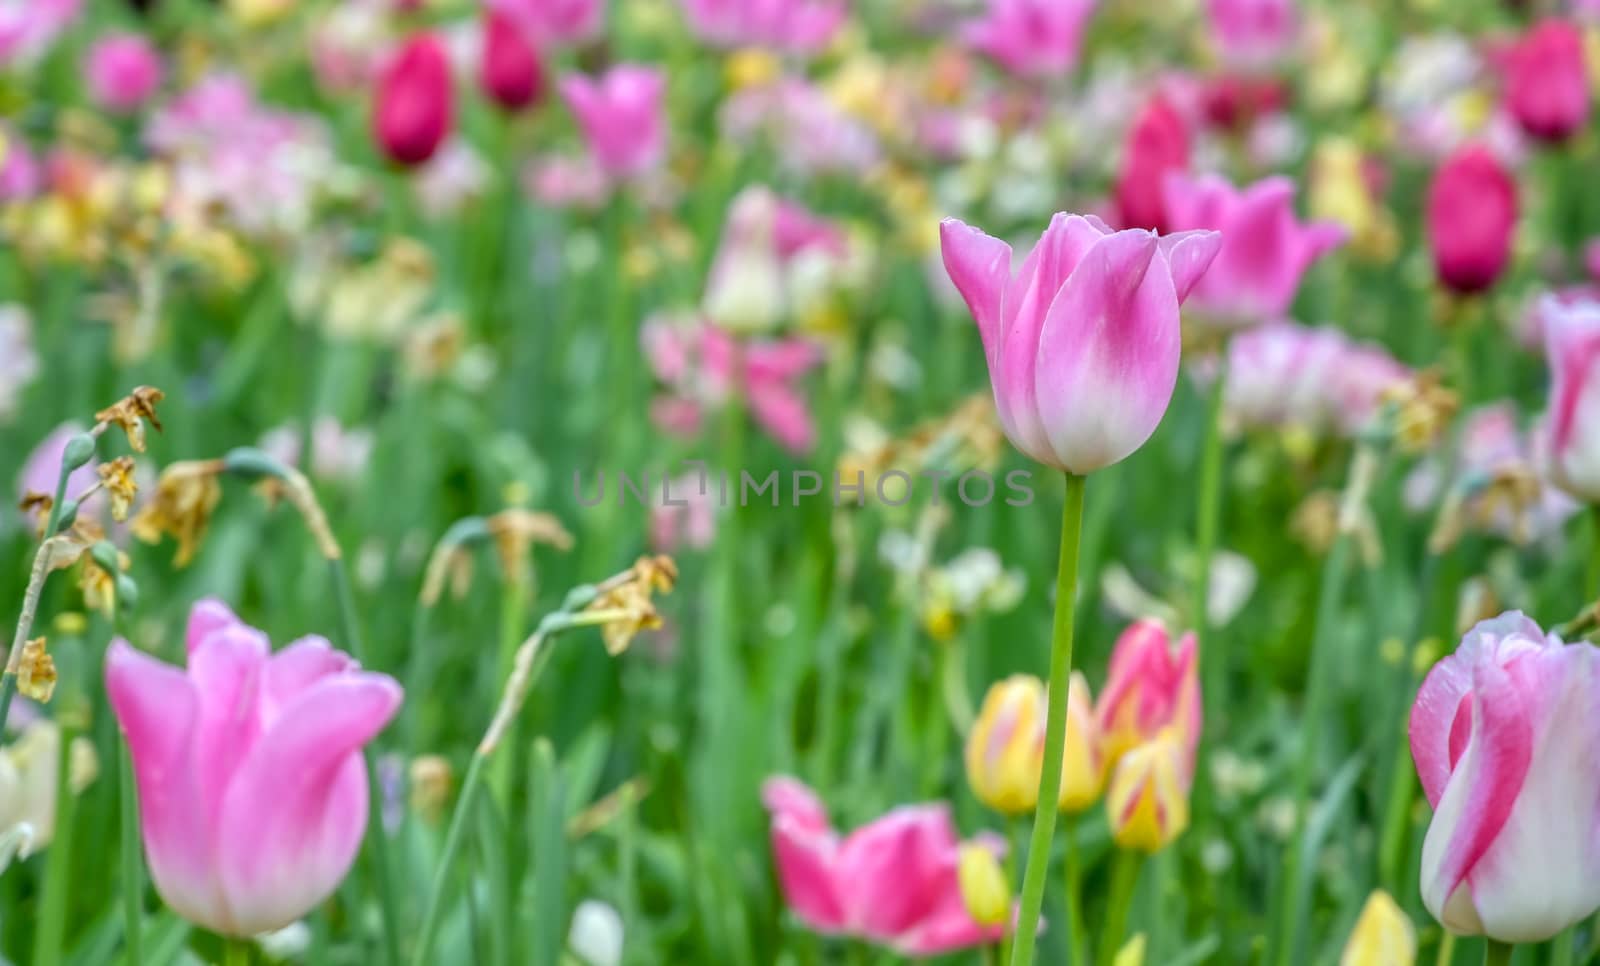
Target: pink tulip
[(1547, 81), (1265, 252), (892, 882), (621, 116), (415, 107), (1472, 213), (1252, 32), (1572, 343), (1031, 38), (1503, 734), (28, 28), (122, 70), (20, 173), (796, 26), (554, 22), (252, 793), (702, 365), (1157, 145), (1283, 375), (1083, 341), (1150, 686), (509, 71)]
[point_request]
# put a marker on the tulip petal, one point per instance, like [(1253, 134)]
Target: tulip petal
[(1189, 254), (295, 668), (296, 810), (1108, 355), (805, 855), (893, 870), (205, 618), (225, 668), (980, 267), (158, 710)]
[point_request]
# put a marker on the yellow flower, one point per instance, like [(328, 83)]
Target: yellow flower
[(186, 495), (984, 889), (752, 67), (116, 477), (1383, 935), (1005, 749), (132, 412), (36, 672), (1147, 804)]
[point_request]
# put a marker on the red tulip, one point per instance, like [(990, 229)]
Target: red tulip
[(415, 107), (509, 71), (1472, 212), (1546, 81), (1157, 144)]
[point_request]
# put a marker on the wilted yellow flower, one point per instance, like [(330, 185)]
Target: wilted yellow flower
[(36, 671), (116, 478), (1383, 935), (1424, 407), (516, 530), (98, 586), (627, 600), (186, 495), (1148, 804), (131, 412), (984, 888), (1005, 749)]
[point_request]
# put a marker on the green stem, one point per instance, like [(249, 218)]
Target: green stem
[(8, 679), (377, 839), (58, 870), (1072, 873), (1447, 950), (1564, 947), (1496, 953), (1207, 517), (132, 872), (235, 952), (1124, 876), (452, 844), (1362, 473), (1593, 585), (1044, 818)]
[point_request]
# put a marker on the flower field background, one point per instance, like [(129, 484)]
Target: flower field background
[(800, 482)]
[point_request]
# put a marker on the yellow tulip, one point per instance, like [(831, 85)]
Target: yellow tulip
[(984, 888), (1383, 935), (1148, 802), (1005, 748)]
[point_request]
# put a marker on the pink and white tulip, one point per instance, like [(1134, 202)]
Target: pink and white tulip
[(1266, 248), (894, 882), (1504, 736), (252, 792), (1282, 375), (622, 117), (1253, 32), (1572, 343), (1031, 38), (1083, 341)]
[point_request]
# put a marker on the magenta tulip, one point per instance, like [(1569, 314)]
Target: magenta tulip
[(1572, 342), (123, 71), (1506, 738), (415, 108), (1156, 146), (554, 22), (892, 882), (1083, 341), (509, 71), (621, 117), (252, 791), (1266, 249), (1472, 213), (1031, 38), (1547, 81)]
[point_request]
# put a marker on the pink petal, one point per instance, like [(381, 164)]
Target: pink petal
[(296, 810), (806, 858), (1189, 254), (892, 871), (980, 267), (206, 617), (296, 668)]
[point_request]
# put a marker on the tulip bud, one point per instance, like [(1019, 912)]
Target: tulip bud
[(1157, 145), (1151, 686), (1383, 935), (1547, 81), (1472, 212), (1504, 734), (1572, 343), (984, 889), (1005, 749), (123, 71), (415, 104), (509, 72), (1147, 803), (1083, 342), (621, 117)]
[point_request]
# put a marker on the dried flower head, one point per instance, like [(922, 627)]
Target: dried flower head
[(36, 505), (116, 478), (36, 672), (186, 495), (626, 601), (1423, 407), (515, 531), (131, 412)]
